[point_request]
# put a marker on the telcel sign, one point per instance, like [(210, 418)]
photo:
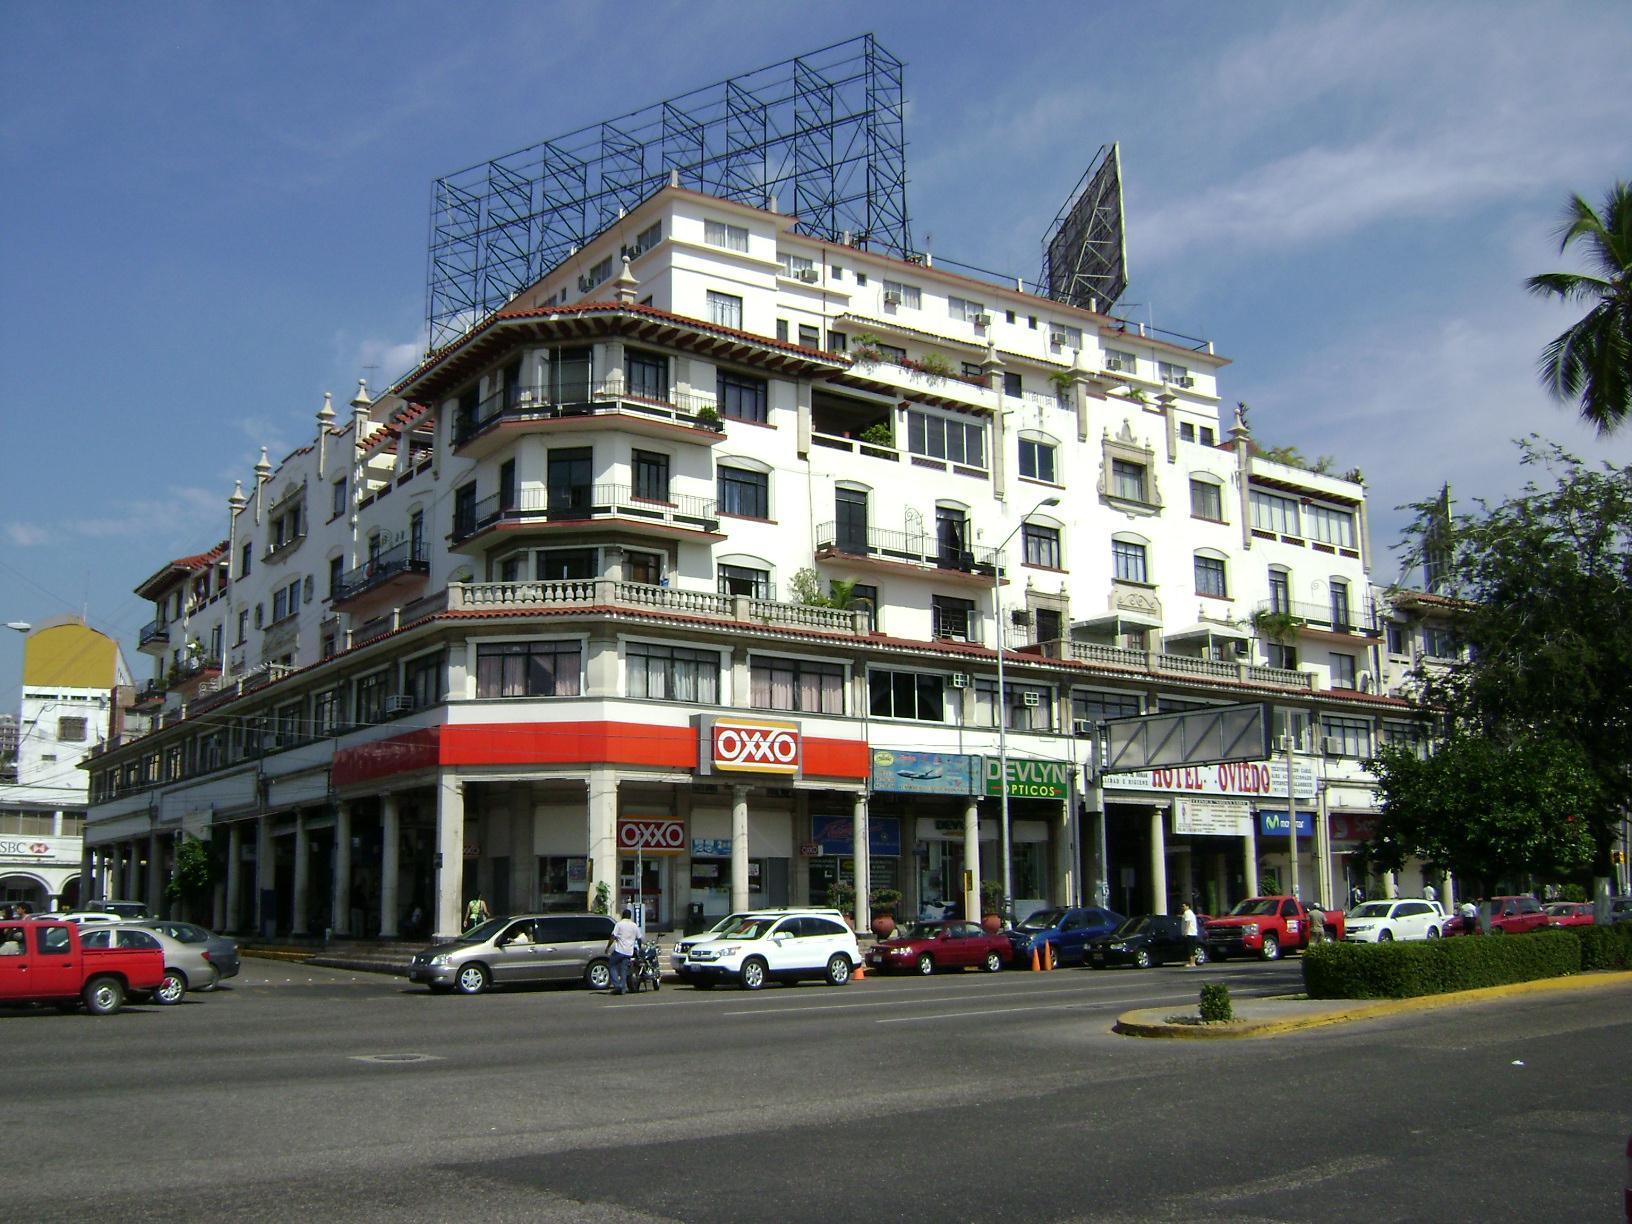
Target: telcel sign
[(738, 745)]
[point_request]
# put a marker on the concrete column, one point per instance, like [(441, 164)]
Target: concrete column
[(340, 885), (864, 862), (1323, 854), (1447, 892), (133, 868), (88, 873), (448, 905), (739, 847), (1158, 860), (1064, 847), (235, 876), (523, 860), (390, 833), (1249, 857), (303, 875), (155, 874), (1391, 885), (266, 874), (603, 832), (971, 860)]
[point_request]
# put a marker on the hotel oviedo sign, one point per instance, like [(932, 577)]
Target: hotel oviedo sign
[(1030, 779), (748, 745), (1246, 779)]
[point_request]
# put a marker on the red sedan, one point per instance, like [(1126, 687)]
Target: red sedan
[(925, 947), (1568, 914)]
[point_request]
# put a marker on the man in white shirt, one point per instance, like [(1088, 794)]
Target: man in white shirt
[(1191, 928), (621, 950)]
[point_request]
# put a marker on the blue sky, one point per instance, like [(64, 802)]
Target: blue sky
[(215, 213)]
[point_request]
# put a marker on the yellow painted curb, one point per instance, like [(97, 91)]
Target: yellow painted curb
[(1130, 1024), (277, 954)]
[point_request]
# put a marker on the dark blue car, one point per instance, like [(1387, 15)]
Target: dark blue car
[(1069, 930)]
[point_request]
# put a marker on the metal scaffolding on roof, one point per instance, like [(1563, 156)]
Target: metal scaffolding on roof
[(821, 135)]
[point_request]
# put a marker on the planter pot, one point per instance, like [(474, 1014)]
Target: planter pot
[(883, 925), (991, 923)]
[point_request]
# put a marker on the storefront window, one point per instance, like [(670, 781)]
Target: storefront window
[(563, 883)]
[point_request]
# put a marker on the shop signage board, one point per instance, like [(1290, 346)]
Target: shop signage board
[(837, 835), (711, 847), (1273, 824), (924, 773), (651, 836), (1030, 779), (1353, 828), (1213, 817), (748, 745), (1246, 779), (41, 849)]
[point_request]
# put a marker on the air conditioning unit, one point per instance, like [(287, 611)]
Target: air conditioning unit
[(1058, 339), (399, 704), (1330, 745), (960, 679), (1082, 726), (892, 299), (1287, 743), (808, 275), (983, 320), (585, 284), (1031, 700), (1184, 381)]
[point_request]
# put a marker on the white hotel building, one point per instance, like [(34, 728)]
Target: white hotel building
[(476, 636)]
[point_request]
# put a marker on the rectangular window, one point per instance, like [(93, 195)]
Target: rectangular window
[(673, 673), (1210, 577), (1439, 642), (1169, 373), (904, 295), (327, 714), (937, 437), (1342, 617), (1128, 480), (646, 376), (795, 684), (1342, 670), (742, 397), (243, 625), (837, 342), (744, 492), (566, 564), (1187, 431), (793, 265), (1119, 362), (1011, 384), (464, 510), (1037, 460), (422, 680), (899, 694), (1026, 707), (280, 605), (1411, 735), (723, 234), (528, 669), (651, 476), (1284, 657), (1042, 545), (243, 565), (649, 238), (1128, 561), (1096, 706), (782, 330), (337, 567), (72, 730), (1073, 335), (369, 697), (1206, 435), (1206, 501), (643, 567), (1271, 512), (743, 580), (1353, 735), (1329, 526), (1396, 638), (954, 618), (1050, 625), (964, 310), (809, 336), (725, 310)]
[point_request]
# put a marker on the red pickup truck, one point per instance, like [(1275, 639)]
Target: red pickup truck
[(44, 962), (1266, 927)]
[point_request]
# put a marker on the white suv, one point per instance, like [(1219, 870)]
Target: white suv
[(1382, 921), (782, 946), (677, 956)]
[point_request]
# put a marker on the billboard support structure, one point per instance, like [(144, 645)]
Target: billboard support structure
[(1085, 252)]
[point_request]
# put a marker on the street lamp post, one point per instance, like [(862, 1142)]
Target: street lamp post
[(1002, 703)]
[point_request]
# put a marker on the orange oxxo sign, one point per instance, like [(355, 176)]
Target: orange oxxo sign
[(652, 836), (742, 745)]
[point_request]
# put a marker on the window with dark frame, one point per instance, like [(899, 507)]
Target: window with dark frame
[(529, 669), (1042, 545), (672, 673), (651, 475), (801, 685), (1128, 561), (1037, 460), (902, 694), (744, 580), (1206, 500), (1210, 577), (742, 397), (743, 492)]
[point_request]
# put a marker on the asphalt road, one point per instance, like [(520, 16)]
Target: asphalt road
[(974, 1097)]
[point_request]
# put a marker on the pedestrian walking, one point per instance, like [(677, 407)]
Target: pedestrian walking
[(1430, 893), (476, 912), (1356, 895), (620, 950), (1192, 934)]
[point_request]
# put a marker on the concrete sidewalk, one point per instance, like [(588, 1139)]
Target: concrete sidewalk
[(1258, 1017)]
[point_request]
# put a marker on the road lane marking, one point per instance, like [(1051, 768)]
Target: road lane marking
[(796, 1009), (1297, 1179), (995, 1011)]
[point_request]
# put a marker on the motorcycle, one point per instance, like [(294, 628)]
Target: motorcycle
[(645, 969)]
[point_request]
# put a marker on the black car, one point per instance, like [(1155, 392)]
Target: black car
[(1143, 941)]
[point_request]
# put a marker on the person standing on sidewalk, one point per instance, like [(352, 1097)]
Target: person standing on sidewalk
[(621, 950), (1192, 935), (476, 912)]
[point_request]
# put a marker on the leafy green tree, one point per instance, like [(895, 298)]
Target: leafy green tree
[(1486, 810), (195, 874), (1592, 361), (1546, 583)]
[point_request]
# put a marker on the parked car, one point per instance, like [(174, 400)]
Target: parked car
[(48, 962), (80, 917), (1402, 918), (677, 956), (1266, 927), (924, 947), (223, 952), (119, 909), (1067, 931), (780, 947), (1620, 909), (1568, 914), (186, 966), (519, 948), (1142, 941)]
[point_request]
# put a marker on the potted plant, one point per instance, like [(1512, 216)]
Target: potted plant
[(708, 417), (865, 350), (884, 902), (841, 895), (602, 904), (879, 435), (1278, 627), (1063, 381), (992, 906), (934, 366)]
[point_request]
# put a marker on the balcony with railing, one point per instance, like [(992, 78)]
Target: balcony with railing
[(611, 505), (1338, 616), (872, 548), (1156, 663), (388, 572), (610, 404), (154, 637)]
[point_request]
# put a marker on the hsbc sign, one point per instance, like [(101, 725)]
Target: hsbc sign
[(652, 835), (739, 745)]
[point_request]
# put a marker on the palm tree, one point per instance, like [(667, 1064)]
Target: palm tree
[(1592, 361)]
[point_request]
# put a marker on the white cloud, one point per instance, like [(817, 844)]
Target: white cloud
[(27, 535)]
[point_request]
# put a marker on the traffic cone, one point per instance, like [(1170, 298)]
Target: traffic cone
[(1034, 965), (859, 973), (1048, 956)]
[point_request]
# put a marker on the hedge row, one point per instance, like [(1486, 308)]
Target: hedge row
[(1395, 970)]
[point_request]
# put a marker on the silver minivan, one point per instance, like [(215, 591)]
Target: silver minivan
[(519, 948)]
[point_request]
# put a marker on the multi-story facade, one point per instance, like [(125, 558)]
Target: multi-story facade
[(74, 681), (705, 546)]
